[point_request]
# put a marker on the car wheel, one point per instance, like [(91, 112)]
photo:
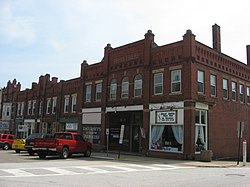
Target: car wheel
[(6, 146), (42, 155), (65, 153), (88, 152), (31, 152), (18, 151)]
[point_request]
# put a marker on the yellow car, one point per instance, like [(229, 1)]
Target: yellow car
[(19, 145)]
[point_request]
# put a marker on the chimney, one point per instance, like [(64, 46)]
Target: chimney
[(54, 79), (216, 38), (248, 55)]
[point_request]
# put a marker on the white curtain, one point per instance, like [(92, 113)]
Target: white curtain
[(178, 133), (199, 133), (156, 133)]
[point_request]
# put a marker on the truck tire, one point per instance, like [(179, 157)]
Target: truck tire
[(65, 153), (31, 152), (18, 151), (6, 146), (87, 152), (42, 155)]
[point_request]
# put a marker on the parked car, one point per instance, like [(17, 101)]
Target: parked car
[(19, 145), (30, 141), (64, 144), (6, 140)]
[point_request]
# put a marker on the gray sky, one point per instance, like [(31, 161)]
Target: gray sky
[(54, 36)]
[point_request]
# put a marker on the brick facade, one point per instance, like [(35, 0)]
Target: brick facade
[(211, 119)]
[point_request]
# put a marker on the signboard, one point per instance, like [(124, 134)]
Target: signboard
[(4, 126), (121, 134), (107, 131), (240, 128), (23, 128), (71, 126), (166, 117), (92, 134)]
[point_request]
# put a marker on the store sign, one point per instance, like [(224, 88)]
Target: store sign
[(23, 128), (4, 126), (166, 117), (71, 126)]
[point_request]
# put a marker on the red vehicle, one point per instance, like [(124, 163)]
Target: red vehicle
[(64, 144), (6, 141)]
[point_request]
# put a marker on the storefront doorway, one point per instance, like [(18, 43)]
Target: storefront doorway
[(132, 122)]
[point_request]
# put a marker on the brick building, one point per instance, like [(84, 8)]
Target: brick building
[(173, 100)]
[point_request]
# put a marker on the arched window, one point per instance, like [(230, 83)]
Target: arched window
[(138, 86), (113, 89), (125, 88)]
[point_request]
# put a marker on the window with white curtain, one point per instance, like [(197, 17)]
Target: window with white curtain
[(200, 130), (167, 137)]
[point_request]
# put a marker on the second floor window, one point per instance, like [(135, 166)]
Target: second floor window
[(48, 106), (158, 83), (88, 93), (113, 89), (248, 95), (175, 81), (138, 86), (34, 107), (19, 109), (29, 107), (225, 88), (98, 90), (213, 85), (66, 104), (241, 93), (125, 88), (54, 105), (73, 108), (234, 90), (200, 82)]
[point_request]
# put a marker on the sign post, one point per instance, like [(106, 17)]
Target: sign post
[(121, 139), (107, 134), (244, 152), (240, 129)]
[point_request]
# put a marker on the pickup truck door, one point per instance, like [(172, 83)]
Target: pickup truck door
[(80, 143)]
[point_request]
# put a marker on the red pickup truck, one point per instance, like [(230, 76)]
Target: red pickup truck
[(6, 141), (63, 143)]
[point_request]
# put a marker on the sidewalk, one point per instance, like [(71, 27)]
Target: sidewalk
[(143, 159)]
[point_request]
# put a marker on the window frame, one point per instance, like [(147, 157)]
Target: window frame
[(138, 85), (234, 90), (201, 81), (213, 85), (173, 81), (159, 84), (98, 91), (113, 89), (225, 88), (88, 90), (125, 88)]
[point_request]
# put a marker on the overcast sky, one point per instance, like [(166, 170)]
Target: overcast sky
[(54, 36)]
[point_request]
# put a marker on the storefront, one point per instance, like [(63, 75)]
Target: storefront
[(91, 125), (131, 120)]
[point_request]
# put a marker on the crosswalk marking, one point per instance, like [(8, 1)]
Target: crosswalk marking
[(78, 170), (60, 171), (122, 168), (92, 169), (18, 172)]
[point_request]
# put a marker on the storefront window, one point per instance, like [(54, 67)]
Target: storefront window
[(200, 130), (167, 137), (92, 134)]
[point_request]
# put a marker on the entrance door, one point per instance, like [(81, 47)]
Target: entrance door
[(135, 138)]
